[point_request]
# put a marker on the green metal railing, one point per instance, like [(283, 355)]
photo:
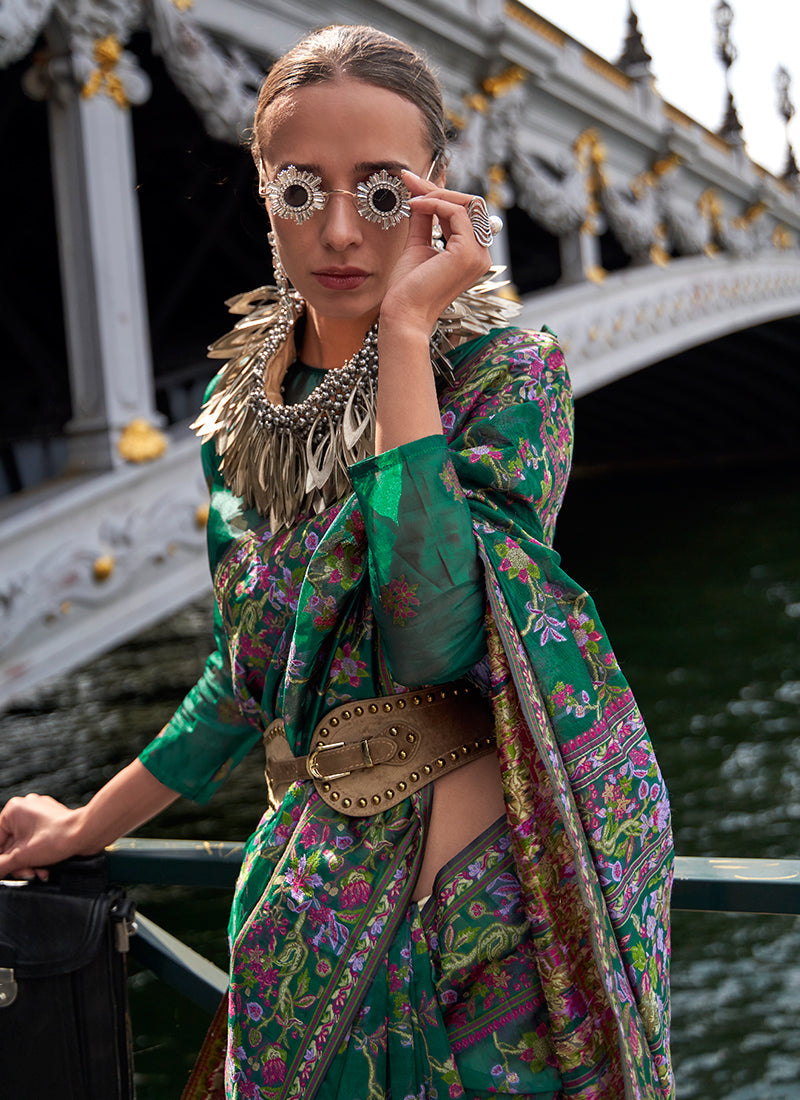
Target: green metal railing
[(764, 886)]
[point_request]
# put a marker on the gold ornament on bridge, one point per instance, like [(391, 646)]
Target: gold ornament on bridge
[(658, 254), (751, 214), (502, 83), (458, 122), (107, 52), (649, 178), (710, 207), (103, 567), (141, 442), (782, 238), (590, 156), (201, 516), (476, 102), (492, 87), (590, 152), (497, 177), (596, 274)]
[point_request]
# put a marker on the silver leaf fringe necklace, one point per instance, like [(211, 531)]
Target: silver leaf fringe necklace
[(287, 461)]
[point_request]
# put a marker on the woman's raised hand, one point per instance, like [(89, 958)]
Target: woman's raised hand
[(426, 280)]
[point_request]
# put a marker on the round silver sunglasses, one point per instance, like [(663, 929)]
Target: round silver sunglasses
[(297, 194)]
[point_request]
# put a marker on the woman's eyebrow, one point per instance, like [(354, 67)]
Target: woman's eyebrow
[(376, 166), (363, 167), (313, 168)]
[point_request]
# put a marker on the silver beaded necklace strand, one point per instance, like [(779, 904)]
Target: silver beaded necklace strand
[(286, 461)]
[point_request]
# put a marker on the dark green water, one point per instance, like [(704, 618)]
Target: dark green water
[(697, 578)]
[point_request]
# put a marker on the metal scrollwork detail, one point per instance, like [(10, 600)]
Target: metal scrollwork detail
[(222, 86), (86, 51), (556, 201), (21, 22)]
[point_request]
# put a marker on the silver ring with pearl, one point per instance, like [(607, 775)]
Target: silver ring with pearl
[(483, 226)]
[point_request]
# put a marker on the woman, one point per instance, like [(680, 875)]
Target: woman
[(446, 901)]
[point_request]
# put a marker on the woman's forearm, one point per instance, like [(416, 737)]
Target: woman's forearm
[(407, 407), (36, 831), (128, 800)]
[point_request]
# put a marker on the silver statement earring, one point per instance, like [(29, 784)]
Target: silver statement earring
[(289, 299)]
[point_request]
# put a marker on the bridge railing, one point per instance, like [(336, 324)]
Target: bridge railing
[(766, 886)]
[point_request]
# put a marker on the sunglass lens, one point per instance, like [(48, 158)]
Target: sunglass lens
[(296, 195), (384, 201)]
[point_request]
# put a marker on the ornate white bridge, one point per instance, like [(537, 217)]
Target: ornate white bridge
[(643, 316), (655, 235)]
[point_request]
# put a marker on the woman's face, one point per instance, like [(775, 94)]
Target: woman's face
[(342, 131)]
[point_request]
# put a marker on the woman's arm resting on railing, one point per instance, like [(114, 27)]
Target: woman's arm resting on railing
[(36, 830)]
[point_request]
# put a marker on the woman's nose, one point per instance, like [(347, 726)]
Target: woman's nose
[(343, 224)]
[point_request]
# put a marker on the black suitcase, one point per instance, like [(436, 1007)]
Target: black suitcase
[(64, 1021)]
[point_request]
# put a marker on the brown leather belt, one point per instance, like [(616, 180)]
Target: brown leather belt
[(370, 753)]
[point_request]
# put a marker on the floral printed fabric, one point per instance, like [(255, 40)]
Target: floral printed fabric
[(487, 981), (414, 615), (322, 910), (423, 565), (450, 1003)]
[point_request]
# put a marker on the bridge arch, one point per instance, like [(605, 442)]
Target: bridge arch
[(642, 316)]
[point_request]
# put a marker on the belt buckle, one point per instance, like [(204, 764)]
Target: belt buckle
[(311, 765)]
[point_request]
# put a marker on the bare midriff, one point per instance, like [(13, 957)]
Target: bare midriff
[(465, 802)]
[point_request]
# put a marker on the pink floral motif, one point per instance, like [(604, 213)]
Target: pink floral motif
[(302, 882), (450, 480), (545, 625), (516, 563), (285, 590), (274, 1069), (584, 631), (354, 894), (398, 599), (346, 668), (641, 760), (478, 453), (562, 694), (323, 608), (617, 795)]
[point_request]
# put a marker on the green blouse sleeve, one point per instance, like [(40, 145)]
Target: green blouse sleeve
[(207, 736), (425, 575)]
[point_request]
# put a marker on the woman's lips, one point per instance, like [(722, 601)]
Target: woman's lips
[(340, 278)]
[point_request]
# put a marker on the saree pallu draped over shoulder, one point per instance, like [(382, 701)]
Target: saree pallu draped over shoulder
[(332, 975)]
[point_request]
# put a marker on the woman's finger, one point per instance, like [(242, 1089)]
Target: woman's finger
[(7, 862), (13, 863), (455, 222), (419, 186), (420, 229)]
